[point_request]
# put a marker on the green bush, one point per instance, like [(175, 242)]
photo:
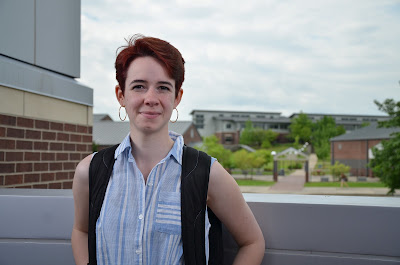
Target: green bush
[(338, 168)]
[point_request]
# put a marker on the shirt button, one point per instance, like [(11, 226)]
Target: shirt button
[(140, 216), (150, 184), (138, 251)]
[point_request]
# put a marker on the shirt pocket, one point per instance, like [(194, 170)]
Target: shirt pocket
[(168, 214)]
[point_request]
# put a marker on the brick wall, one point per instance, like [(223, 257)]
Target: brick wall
[(224, 136), (191, 135), (354, 154), (43, 154)]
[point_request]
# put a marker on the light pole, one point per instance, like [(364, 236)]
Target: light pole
[(275, 170)]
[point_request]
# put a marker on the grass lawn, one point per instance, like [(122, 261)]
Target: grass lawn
[(249, 182), (351, 184)]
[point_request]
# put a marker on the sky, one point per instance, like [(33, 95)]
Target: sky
[(331, 57)]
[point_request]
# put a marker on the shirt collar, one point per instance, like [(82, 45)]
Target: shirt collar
[(176, 150)]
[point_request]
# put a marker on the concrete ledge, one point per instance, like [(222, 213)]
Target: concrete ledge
[(26, 77), (35, 227)]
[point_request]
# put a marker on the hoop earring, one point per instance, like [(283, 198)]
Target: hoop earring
[(119, 113), (176, 116)]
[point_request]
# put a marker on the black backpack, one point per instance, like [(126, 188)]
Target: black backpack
[(194, 188)]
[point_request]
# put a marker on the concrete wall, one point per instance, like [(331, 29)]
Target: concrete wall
[(298, 229)]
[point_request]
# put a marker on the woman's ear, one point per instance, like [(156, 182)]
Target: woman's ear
[(120, 95), (178, 98)]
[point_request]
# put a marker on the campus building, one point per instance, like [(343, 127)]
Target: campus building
[(45, 114), (227, 125)]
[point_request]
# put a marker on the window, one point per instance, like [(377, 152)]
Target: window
[(199, 121), (228, 139), (228, 126)]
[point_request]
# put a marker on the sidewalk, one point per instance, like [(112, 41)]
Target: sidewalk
[(294, 184)]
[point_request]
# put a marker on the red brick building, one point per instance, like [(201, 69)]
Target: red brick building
[(354, 148)]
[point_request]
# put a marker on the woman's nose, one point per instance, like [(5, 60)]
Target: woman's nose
[(151, 97)]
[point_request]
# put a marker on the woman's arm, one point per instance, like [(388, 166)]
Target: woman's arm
[(80, 189), (226, 201)]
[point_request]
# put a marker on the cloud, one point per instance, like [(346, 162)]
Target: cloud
[(286, 56)]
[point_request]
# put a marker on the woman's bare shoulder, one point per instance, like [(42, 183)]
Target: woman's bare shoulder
[(82, 170)]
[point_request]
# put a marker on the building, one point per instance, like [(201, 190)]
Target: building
[(45, 114), (101, 117), (349, 122), (108, 132), (227, 125), (354, 148)]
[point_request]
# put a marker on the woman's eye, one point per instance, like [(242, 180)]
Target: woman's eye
[(137, 87), (164, 88)]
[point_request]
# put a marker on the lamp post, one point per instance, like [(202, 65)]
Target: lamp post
[(275, 170)]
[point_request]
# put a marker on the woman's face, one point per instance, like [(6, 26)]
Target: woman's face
[(149, 96)]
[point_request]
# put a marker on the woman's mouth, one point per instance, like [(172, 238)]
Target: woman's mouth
[(150, 114)]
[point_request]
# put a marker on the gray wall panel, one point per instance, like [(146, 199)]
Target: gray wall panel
[(48, 217), (17, 29), (330, 228), (36, 253), (58, 36)]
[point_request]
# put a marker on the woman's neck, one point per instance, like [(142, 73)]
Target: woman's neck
[(149, 148)]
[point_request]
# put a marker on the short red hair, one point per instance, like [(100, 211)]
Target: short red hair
[(162, 51)]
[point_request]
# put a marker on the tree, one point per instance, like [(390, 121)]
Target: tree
[(257, 137), (268, 138), (212, 147), (324, 129), (301, 127), (386, 164)]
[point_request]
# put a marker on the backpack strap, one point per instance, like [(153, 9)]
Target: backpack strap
[(194, 188), (100, 171)]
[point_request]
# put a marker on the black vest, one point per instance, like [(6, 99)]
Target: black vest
[(194, 187)]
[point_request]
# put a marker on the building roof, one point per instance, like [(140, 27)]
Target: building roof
[(371, 132), (109, 132), (339, 115), (101, 117), (228, 111), (264, 120), (113, 132)]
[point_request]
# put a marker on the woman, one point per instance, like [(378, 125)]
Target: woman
[(145, 183)]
